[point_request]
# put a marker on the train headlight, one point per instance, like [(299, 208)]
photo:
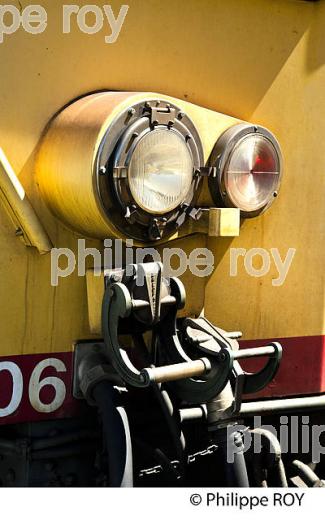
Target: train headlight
[(160, 171), (155, 164), (248, 169), (121, 164)]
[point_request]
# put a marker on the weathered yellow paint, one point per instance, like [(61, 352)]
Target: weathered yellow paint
[(95, 293), (257, 60), (292, 107)]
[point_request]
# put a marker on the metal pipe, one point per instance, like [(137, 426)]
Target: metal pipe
[(254, 352), (191, 414), (231, 453), (281, 405), (282, 475), (28, 225), (175, 431), (307, 474), (272, 447), (263, 407), (177, 371)]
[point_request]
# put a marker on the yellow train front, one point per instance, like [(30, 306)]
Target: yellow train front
[(162, 238)]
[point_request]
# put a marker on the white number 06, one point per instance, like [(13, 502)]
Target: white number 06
[(35, 386)]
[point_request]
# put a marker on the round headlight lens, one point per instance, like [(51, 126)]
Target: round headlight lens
[(160, 171), (252, 174)]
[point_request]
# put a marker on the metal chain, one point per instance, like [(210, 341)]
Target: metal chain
[(175, 463), (210, 449)]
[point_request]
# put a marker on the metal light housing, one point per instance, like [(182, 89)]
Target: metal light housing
[(247, 166), (121, 164)]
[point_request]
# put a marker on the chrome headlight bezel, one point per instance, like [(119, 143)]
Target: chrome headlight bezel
[(115, 152), (220, 158)]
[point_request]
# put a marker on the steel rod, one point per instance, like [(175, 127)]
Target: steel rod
[(271, 406), (254, 352), (282, 405), (177, 371)]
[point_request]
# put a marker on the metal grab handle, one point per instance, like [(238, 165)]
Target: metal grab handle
[(175, 372)]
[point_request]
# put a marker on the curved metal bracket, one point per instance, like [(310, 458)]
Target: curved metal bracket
[(254, 382), (117, 303)]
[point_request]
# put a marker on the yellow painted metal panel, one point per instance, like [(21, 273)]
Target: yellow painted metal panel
[(256, 60)]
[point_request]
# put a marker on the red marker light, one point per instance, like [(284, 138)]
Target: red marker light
[(252, 173)]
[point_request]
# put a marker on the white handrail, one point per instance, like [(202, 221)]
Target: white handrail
[(20, 209)]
